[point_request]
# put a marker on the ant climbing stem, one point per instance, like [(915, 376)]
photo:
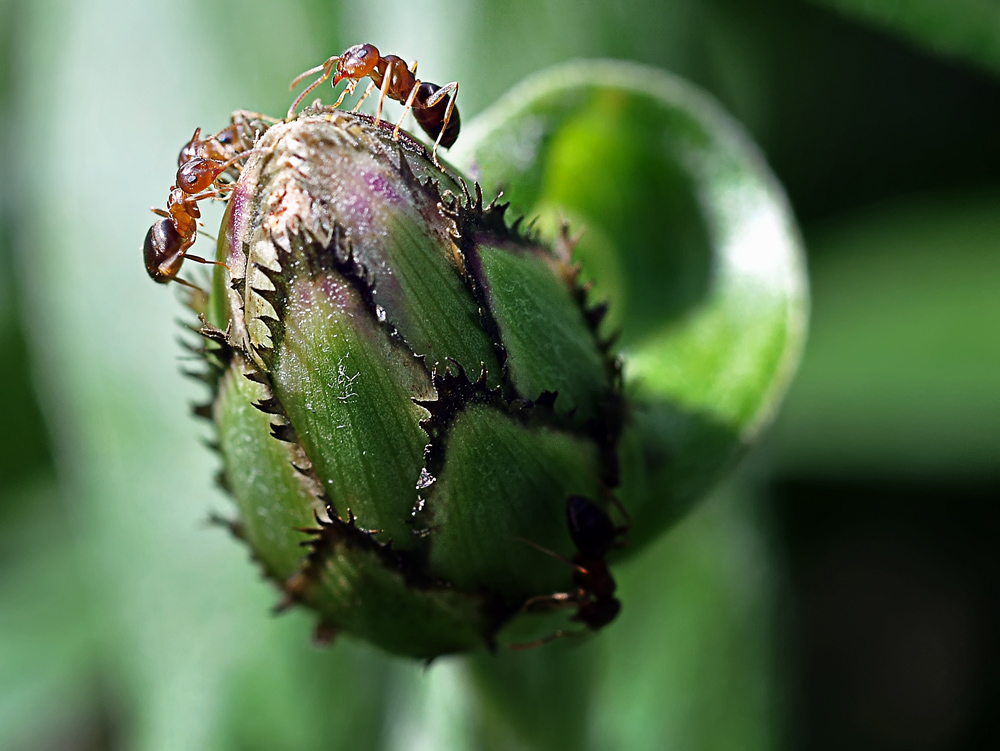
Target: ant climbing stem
[(433, 106), (594, 535)]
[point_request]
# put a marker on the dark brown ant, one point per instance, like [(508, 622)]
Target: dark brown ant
[(438, 118), (594, 535), (167, 241)]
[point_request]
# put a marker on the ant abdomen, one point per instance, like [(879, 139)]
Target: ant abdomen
[(431, 119), (598, 613), (161, 251)]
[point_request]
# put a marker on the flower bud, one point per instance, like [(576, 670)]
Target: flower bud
[(408, 393)]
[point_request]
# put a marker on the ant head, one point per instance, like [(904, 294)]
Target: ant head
[(161, 251), (197, 175), (356, 62)]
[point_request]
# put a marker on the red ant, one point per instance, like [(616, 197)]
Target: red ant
[(395, 80), (167, 241), (594, 535)]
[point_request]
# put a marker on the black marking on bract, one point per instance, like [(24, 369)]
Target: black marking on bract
[(325, 539), (472, 221), (406, 172), (328, 537), (211, 444), (455, 392), (233, 526), (276, 298), (285, 432), (204, 411), (257, 376), (216, 354), (269, 406), (222, 481)]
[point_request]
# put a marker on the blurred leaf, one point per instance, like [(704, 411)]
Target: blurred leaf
[(538, 698), (24, 450), (47, 666), (901, 373), (689, 236), (965, 29)]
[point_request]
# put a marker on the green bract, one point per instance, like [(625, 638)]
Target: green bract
[(409, 387)]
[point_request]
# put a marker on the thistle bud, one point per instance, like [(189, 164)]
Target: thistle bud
[(417, 418)]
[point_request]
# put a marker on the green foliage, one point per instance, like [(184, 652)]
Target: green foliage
[(904, 340), (964, 29)]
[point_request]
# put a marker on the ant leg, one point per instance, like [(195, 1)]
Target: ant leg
[(406, 108), (205, 261), (553, 601), (368, 90), (327, 69), (231, 129), (161, 212), (546, 639), (195, 287), (383, 92), (215, 193), (349, 89), (413, 68), (554, 554), (437, 96), (249, 152)]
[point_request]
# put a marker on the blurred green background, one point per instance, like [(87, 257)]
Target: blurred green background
[(843, 591)]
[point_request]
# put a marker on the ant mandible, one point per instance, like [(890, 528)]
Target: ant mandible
[(168, 240), (594, 535), (439, 119)]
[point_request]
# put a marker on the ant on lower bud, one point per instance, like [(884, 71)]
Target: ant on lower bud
[(594, 535), (438, 118)]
